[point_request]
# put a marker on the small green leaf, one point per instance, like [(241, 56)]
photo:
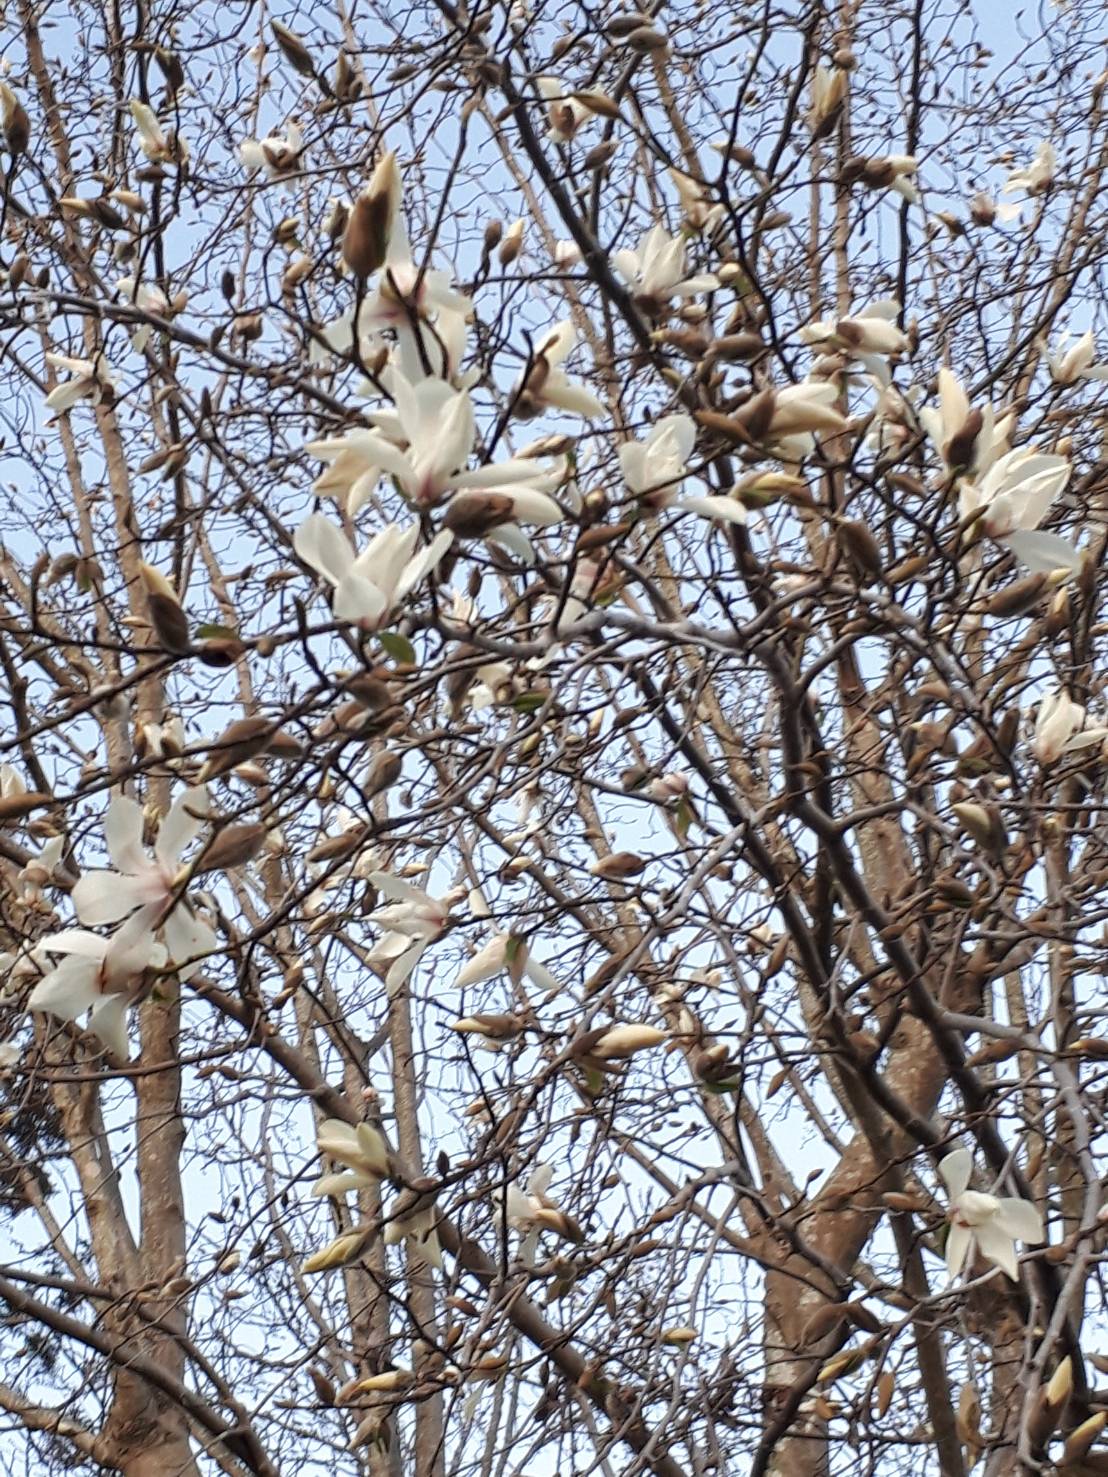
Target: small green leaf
[(215, 632), (530, 702), (397, 646)]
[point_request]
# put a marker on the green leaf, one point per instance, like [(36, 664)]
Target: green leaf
[(397, 646), (530, 702), (214, 631)]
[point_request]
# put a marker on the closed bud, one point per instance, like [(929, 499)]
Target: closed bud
[(620, 1042), (233, 846), (365, 241), (474, 514), (17, 125), (619, 866), (293, 49), (338, 1253)]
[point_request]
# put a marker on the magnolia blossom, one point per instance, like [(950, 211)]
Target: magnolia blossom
[(530, 1210), (548, 387), (369, 584), (150, 882), (158, 146), (653, 469), (362, 1149), (983, 1223), (1014, 496), (424, 442), (1035, 177), (656, 271), (566, 114), (1060, 728), (98, 975), (151, 299), (695, 198), (37, 871), (91, 379), (872, 330), (419, 306), (1069, 364), (968, 441), (412, 920), (278, 154)]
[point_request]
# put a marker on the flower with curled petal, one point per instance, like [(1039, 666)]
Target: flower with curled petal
[(655, 271), (988, 1224), (367, 585), (151, 882)]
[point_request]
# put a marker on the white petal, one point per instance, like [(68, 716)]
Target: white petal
[(998, 1248), (123, 832), (399, 889), (403, 966), (106, 897), (323, 547), (78, 941), (68, 990), (1020, 1219), (358, 599), (108, 1020), (957, 1248), (485, 964), (728, 509), (956, 1169), (340, 1183), (182, 825), (1042, 553), (417, 569), (188, 939)]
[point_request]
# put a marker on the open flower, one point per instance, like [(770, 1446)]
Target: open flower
[(1069, 364), (412, 920), (988, 1224), (654, 469), (530, 1210), (1015, 495), (279, 154), (548, 387), (656, 271), (424, 442), (90, 379), (1060, 728), (969, 441), (872, 330), (98, 975), (360, 1148), (150, 882), (367, 585), (566, 113), (159, 146), (1037, 176)]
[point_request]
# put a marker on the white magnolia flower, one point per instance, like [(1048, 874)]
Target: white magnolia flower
[(90, 379), (1069, 364), (952, 429), (98, 975), (362, 1149), (1060, 728), (424, 442), (530, 1211), (150, 882), (700, 212), (829, 86), (654, 469), (872, 330), (548, 387), (367, 585), (988, 1224), (278, 154), (1037, 176), (656, 271), (37, 871), (1016, 494), (151, 299), (158, 146), (565, 113), (566, 253), (412, 920)]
